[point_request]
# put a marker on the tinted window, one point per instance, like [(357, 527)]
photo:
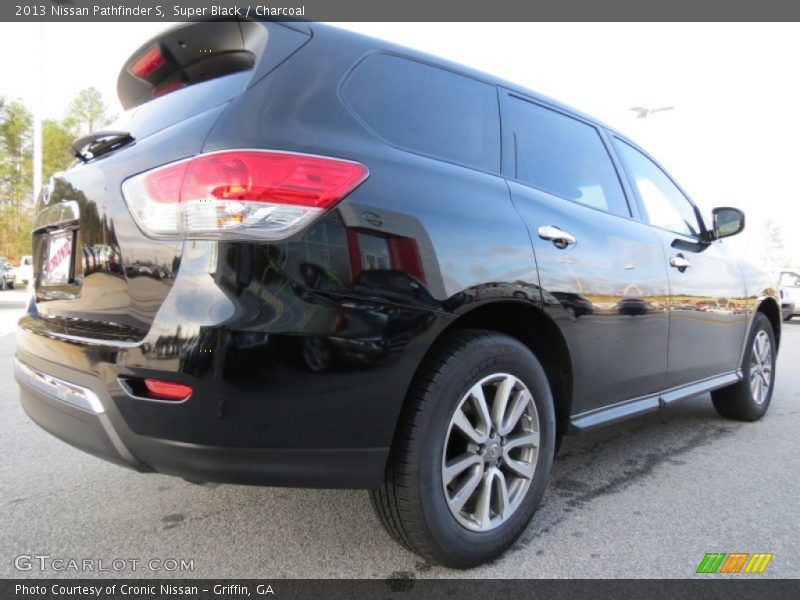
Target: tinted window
[(160, 113), (666, 206), (427, 110), (563, 156)]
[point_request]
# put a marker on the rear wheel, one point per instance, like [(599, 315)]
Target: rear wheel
[(473, 451), (748, 400)]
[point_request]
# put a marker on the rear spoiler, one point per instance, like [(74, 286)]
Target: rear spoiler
[(194, 52)]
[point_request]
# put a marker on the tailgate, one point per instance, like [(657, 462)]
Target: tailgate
[(96, 275)]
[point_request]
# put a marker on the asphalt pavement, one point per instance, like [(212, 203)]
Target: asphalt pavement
[(645, 498)]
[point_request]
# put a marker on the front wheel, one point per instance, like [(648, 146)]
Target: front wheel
[(473, 451), (748, 400)]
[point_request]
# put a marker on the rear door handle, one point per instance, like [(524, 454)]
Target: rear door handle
[(561, 239), (680, 262)]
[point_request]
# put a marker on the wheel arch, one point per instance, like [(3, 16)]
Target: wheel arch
[(770, 308), (527, 323)]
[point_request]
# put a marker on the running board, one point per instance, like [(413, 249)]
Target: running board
[(627, 409)]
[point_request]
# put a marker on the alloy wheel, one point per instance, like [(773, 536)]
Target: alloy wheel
[(761, 367), (490, 452)]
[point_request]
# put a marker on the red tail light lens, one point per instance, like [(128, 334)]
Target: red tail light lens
[(147, 63), (243, 193), (168, 88), (167, 390)]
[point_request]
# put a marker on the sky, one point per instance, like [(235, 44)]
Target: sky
[(731, 139)]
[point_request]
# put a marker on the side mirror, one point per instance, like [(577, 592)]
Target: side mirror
[(727, 221)]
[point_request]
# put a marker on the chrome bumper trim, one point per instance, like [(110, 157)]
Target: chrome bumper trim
[(69, 393)]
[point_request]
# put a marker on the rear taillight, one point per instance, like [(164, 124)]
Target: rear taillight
[(239, 194), (147, 62), (168, 88)]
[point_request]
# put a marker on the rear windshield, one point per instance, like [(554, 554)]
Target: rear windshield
[(160, 113), (194, 67)]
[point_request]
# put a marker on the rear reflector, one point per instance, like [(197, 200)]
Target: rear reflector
[(147, 63), (167, 390), (239, 194)]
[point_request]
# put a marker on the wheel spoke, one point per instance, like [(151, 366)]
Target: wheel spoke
[(461, 421), (529, 438), (479, 402), (757, 390), (458, 465), (502, 493), (519, 404), (757, 344), (501, 397), (466, 490), (765, 347), (483, 509), (521, 468)]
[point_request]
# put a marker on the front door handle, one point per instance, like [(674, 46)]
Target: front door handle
[(561, 239), (680, 262)]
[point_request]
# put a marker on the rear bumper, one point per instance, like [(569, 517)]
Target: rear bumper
[(71, 407), (290, 387)]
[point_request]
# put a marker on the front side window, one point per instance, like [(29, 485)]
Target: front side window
[(563, 156), (665, 204), (427, 110)]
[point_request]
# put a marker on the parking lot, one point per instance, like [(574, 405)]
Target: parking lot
[(645, 498)]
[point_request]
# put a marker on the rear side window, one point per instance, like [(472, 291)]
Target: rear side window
[(563, 156), (427, 110)]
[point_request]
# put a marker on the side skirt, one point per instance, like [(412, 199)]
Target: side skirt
[(592, 419)]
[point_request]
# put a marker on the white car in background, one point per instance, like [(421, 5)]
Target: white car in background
[(7, 274), (24, 274), (790, 294)]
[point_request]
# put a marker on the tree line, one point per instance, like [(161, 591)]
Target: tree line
[(86, 112)]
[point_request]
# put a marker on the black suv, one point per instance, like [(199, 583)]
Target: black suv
[(303, 257)]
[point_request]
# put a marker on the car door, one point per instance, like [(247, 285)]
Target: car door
[(708, 305), (602, 273)]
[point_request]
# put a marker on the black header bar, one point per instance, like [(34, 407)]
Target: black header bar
[(405, 10)]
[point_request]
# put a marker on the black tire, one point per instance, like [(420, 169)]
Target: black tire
[(11, 284), (411, 503), (737, 401), (788, 317)]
